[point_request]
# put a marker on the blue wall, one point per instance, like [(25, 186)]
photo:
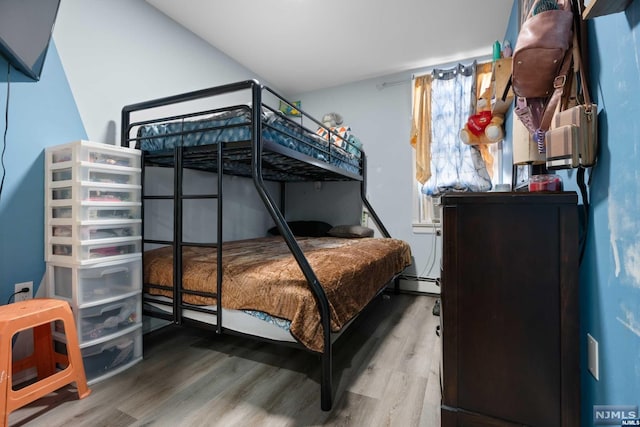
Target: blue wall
[(610, 271), (610, 274), (41, 114)]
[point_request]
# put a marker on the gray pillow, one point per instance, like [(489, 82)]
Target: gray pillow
[(350, 231)]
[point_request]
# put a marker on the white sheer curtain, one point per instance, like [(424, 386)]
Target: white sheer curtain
[(455, 166)]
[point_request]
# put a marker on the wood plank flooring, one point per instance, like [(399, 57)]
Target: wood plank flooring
[(386, 373)]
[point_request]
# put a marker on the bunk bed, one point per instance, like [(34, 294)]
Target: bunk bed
[(309, 288)]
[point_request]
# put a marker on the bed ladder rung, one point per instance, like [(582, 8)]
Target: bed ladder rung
[(158, 197), (199, 196)]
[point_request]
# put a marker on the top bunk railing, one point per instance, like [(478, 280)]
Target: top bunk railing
[(291, 148)]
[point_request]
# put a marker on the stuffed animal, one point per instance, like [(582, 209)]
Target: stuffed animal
[(483, 127), (331, 120)]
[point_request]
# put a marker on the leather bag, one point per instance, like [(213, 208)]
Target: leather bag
[(541, 64), (543, 47), (572, 140)]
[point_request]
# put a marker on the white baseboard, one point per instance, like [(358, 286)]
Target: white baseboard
[(420, 286)]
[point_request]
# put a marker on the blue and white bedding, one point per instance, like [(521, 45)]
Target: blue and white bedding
[(235, 125), (245, 321)]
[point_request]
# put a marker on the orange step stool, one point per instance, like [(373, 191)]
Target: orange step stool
[(38, 314)]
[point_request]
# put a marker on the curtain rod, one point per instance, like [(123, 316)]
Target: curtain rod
[(480, 59), (394, 83)]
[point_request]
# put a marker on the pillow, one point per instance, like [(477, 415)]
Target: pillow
[(305, 229), (339, 135), (351, 231), (355, 146)]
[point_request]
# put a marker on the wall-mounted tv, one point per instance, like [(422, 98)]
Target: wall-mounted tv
[(25, 32)]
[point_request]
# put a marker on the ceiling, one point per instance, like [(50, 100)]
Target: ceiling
[(305, 45)]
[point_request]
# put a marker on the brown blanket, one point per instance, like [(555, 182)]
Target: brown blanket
[(261, 274)]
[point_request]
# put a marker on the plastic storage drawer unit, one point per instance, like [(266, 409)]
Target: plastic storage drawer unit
[(93, 249)]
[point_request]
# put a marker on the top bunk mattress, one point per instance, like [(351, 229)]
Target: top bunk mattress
[(234, 125)]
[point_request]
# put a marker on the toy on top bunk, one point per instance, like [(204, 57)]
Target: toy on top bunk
[(339, 134), (332, 120), (483, 127)]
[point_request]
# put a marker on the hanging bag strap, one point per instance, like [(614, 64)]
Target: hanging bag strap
[(563, 79), (583, 87), (579, 65), (559, 84)]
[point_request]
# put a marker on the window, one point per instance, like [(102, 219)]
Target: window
[(442, 103)]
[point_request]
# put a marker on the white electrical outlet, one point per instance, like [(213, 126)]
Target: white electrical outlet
[(592, 357), (22, 296)]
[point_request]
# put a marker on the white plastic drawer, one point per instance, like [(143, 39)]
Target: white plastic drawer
[(94, 152), (90, 284), (109, 318), (90, 173), (60, 212), (107, 358), (61, 193), (65, 174), (95, 212), (95, 232), (95, 193), (67, 250), (61, 230), (109, 176)]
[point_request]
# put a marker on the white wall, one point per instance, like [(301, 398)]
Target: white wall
[(380, 115), (119, 52)]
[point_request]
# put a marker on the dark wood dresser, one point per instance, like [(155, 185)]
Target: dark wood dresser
[(510, 310)]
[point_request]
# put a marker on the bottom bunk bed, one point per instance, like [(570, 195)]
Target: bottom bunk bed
[(262, 279)]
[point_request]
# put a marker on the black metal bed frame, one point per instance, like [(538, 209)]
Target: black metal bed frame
[(259, 154)]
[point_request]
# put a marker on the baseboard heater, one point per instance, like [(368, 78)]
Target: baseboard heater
[(422, 285)]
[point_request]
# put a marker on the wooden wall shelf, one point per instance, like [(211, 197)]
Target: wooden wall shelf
[(604, 7)]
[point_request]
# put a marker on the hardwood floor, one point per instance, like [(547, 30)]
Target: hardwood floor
[(386, 373)]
